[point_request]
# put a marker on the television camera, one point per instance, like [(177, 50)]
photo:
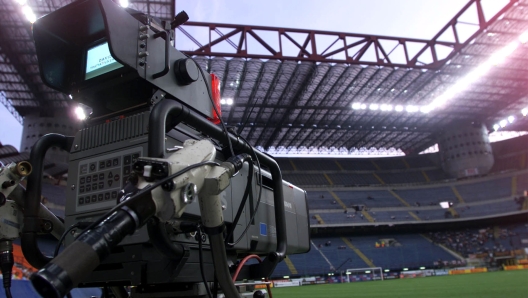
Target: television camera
[(160, 197)]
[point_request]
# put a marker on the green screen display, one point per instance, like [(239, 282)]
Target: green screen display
[(99, 61)]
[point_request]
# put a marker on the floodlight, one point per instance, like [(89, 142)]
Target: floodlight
[(425, 109), (398, 108), (229, 101), (503, 123), (524, 112), (496, 127), (523, 38), (79, 111), (28, 12), (363, 106), (374, 106), (356, 106), (511, 119), (411, 109)]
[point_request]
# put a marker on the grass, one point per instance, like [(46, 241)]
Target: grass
[(509, 284)]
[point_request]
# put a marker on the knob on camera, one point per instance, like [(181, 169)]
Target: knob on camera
[(186, 71)]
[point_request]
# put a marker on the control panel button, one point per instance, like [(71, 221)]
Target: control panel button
[(108, 163), (94, 198), (94, 178), (92, 167), (101, 185), (110, 183), (81, 189), (84, 169), (81, 200), (127, 159), (110, 175), (100, 197), (88, 187), (81, 181), (101, 176), (107, 196), (126, 171), (94, 186), (135, 157), (101, 165), (89, 179), (115, 162), (116, 177), (114, 195)]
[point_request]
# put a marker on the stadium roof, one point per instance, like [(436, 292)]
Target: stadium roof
[(295, 88)]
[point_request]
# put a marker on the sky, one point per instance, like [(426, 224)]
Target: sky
[(401, 18)]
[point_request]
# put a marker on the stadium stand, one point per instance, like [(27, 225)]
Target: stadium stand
[(353, 179), (54, 197), (340, 253), (486, 190), (402, 177), (390, 163), (500, 190), (370, 198), (485, 240), (356, 164), (436, 175), (284, 164), (420, 161), (306, 179), (426, 196), (403, 250), (314, 164), (488, 209), (522, 184)]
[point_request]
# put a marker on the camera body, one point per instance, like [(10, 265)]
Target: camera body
[(98, 172), (147, 99)]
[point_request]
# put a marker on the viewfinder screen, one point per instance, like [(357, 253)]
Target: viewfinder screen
[(99, 61)]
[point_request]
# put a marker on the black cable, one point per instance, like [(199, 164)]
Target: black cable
[(248, 192), (224, 127), (259, 196), (57, 247), (215, 286), (6, 265), (200, 255), (146, 189)]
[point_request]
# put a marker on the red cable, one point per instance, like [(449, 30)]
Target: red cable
[(244, 260)]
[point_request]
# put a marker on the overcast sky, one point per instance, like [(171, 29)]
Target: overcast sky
[(402, 18)]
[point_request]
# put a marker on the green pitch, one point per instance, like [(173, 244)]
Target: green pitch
[(509, 284)]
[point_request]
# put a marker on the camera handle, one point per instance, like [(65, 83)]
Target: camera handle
[(168, 113), (166, 34)]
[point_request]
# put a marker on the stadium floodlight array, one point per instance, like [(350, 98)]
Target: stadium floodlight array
[(509, 120), (27, 10), (461, 85)]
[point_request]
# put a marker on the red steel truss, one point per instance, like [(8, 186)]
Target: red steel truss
[(347, 48)]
